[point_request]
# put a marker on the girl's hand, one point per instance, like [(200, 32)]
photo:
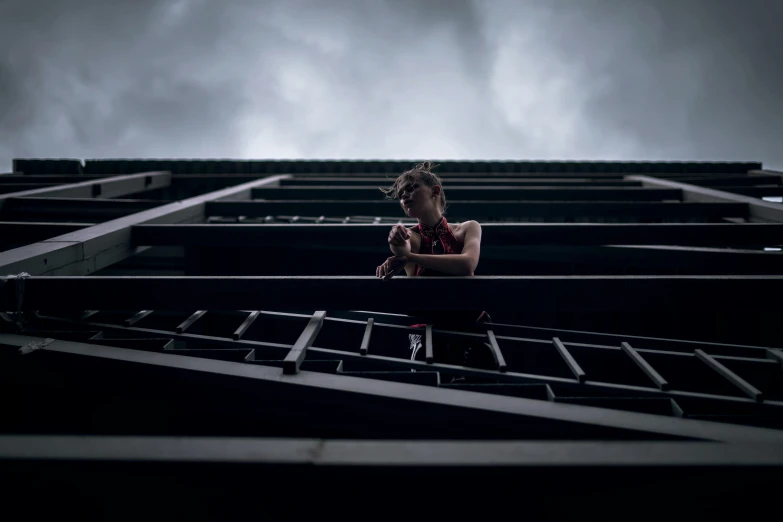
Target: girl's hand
[(392, 266), (400, 240)]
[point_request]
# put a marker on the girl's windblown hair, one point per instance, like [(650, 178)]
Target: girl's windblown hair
[(426, 176)]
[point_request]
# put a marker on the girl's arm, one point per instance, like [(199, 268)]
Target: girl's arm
[(463, 264)]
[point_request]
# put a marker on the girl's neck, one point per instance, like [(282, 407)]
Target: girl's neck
[(431, 219)]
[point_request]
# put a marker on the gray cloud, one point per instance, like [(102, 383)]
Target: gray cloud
[(444, 79)]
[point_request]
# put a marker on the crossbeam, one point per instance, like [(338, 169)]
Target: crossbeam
[(486, 210), (18, 232), (757, 208), (111, 187), (32, 209), (317, 386), (452, 182), (88, 250), (348, 235), (485, 193), (555, 293)]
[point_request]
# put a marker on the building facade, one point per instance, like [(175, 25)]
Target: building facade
[(163, 317)]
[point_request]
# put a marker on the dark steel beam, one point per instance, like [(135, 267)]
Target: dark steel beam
[(636, 357), (434, 396), (20, 232), (483, 193), (570, 361), (487, 210), (688, 260), (370, 293), (496, 353), (187, 323), (239, 332), (756, 192), (371, 453), (365, 346), (767, 173), (10, 188), (734, 181), (91, 249), (757, 209), (752, 392), (71, 209), (111, 187), (348, 354), (351, 235), (450, 182), (298, 351)]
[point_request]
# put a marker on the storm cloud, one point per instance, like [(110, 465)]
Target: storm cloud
[(589, 79)]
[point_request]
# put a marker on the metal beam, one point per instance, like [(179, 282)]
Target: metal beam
[(766, 173), (757, 208), (69, 209), (636, 357), (111, 187), (487, 210), (93, 248), (20, 232), (8, 189), (298, 351), (577, 370), (687, 260), (351, 235), (451, 182), (592, 388), (555, 293), (483, 193), (431, 396), (735, 181), (752, 392), (370, 453)]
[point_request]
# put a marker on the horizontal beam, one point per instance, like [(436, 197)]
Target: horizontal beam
[(733, 181), (483, 193), (757, 208), (654, 258), (756, 192), (385, 452), (67, 209), (17, 232), (111, 187), (681, 294), (486, 210), (9, 188), (488, 181), (93, 248), (348, 235)]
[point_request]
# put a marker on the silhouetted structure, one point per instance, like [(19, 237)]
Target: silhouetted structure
[(636, 334)]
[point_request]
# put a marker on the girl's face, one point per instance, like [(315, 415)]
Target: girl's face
[(415, 196)]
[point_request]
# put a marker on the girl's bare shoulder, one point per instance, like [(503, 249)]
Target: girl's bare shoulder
[(460, 229)]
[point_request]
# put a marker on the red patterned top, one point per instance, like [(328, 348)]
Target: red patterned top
[(439, 239)]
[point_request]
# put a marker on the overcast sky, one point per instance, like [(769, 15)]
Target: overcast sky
[(396, 79)]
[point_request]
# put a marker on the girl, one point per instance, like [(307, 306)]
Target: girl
[(435, 248)]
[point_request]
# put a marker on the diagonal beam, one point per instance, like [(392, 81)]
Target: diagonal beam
[(110, 187), (91, 249), (306, 339), (757, 208), (436, 397)]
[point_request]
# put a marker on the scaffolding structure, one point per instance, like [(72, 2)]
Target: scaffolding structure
[(159, 314)]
